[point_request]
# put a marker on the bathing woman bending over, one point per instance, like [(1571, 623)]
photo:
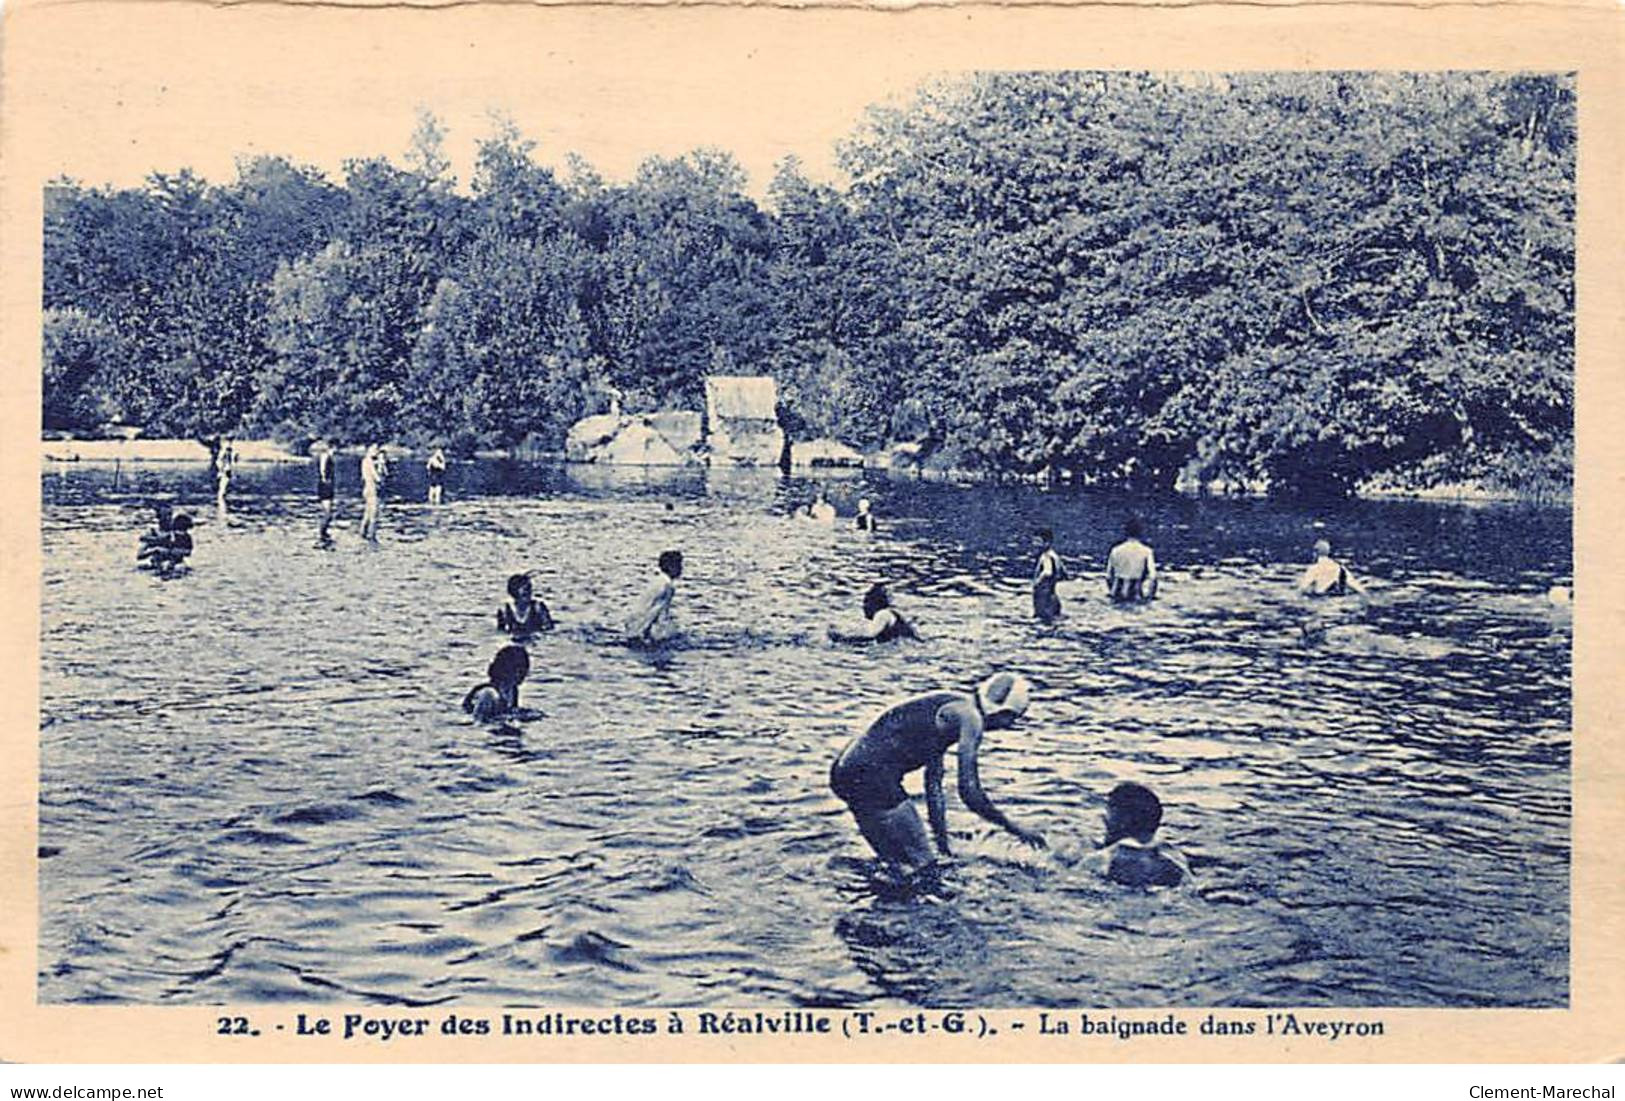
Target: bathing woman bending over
[(916, 735)]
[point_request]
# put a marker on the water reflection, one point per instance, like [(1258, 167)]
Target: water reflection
[(257, 784)]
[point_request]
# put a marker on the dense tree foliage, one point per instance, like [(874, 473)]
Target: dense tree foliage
[(1309, 280)]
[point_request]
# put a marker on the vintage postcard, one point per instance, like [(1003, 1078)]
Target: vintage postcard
[(835, 534)]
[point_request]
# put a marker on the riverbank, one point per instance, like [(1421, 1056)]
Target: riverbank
[(269, 451), (159, 451)]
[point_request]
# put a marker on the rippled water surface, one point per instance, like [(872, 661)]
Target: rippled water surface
[(257, 783)]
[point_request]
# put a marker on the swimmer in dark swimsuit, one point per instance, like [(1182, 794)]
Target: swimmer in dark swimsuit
[(915, 734), (1131, 568), (1046, 573), (882, 622), (1129, 855), (522, 614), (499, 695), (865, 519)]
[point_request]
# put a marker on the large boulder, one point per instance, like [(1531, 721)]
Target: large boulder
[(638, 445), (649, 439), (589, 433), (742, 420), (682, 428)]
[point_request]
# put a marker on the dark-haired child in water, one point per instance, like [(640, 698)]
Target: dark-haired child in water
[(881, 621), (1047, 572), (499, 695), (1131, 568), (1131, 855), (522, 615), (650, 619)]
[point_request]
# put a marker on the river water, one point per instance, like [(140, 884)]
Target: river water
[(257, 784)]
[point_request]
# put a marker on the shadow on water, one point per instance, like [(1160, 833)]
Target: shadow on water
[(257, 783)]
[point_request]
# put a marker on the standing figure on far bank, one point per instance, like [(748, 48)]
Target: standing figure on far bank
[(436, 467), (1131, 568)]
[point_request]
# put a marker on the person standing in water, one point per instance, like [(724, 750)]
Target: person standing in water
[(1131, 568), (881, 621), (436, 468), (1327, 576), (865, 519), (156, 538), (650, 621), (917, 734), (326, 486), (1047, 572), (374, 468), (522, 615), (224, 462), (820, 510)]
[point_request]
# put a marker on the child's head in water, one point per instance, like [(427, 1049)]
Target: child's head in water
[(875, 600), (510, 667), (1131, 857), (1132, 810), (519, 586), (671, 564)]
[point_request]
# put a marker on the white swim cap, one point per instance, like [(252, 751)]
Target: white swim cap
[(1007, 692), (863, 504)]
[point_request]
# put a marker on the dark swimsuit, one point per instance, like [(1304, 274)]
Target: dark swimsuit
[(538, 619), (437, 476), (1046, 605), (874, 788), (896, 629), (324, 479)]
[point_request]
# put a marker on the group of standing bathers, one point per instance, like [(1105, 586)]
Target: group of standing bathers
[(374, 475), (1131, 571)]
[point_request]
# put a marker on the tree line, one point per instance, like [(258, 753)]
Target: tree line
[(1305, 279)]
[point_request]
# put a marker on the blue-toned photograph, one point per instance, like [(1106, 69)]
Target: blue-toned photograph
[(1081, 539)]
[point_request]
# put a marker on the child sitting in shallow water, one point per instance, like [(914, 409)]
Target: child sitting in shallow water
[(1129, 854), (499, 695)]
